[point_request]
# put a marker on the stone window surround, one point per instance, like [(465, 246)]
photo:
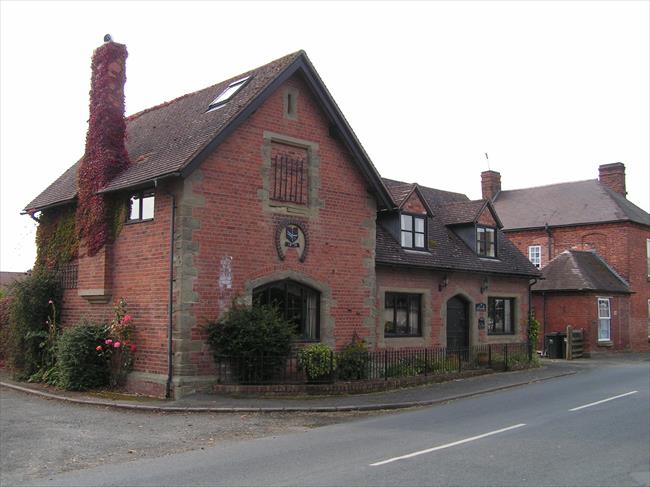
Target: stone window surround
[(426, 318), (515, 323), (326, 320), (311, 209)]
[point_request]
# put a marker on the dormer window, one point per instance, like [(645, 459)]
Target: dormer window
[(228, 93), (412, 231), (486, 242)]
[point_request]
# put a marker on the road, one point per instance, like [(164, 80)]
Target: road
[(589, 429)]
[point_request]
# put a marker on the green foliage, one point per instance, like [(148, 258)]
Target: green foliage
[(79, 365), (353, 361), (318, 361), (5, 331), (533, 332), (255, 340), (32, 323), (56, 238), (411, 366)]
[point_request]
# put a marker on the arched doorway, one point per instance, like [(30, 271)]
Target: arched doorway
[(457, 323)]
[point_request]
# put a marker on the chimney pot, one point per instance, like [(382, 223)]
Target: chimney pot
[(490, 184), (612, 176)]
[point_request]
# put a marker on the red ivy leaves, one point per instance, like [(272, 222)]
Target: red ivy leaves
[(106, 154)]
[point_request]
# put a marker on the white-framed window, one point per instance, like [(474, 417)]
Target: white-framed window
[(141, 206), (535, 255), (412, 231), (604, 320)]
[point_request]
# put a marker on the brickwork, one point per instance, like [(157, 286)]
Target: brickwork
[(232, 231), (414, 205), (622, 245), (490, 184), (555, 311), (486, 218)]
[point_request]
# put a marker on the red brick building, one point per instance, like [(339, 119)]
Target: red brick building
[(257, 190), (545, 222)]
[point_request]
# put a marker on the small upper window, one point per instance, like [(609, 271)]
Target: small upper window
[(141, 206), (535, 255), (228, 93), (486, 242), (412, 231)]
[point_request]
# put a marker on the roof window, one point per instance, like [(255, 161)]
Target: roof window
[(228, 93)]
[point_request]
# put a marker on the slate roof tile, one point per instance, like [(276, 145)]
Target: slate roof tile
[(578, 202), (576, 270)]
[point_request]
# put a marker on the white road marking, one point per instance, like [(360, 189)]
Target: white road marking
[(604, 400), (448, 445)]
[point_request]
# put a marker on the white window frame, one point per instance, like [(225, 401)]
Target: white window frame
[(605, 320), (535, 255)]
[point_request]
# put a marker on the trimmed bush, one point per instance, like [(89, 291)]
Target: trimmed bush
[(256, 341), (318, 362), (79, 364), (29, 323), (353, 361)]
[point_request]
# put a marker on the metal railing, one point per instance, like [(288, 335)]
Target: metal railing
[(376, 365)]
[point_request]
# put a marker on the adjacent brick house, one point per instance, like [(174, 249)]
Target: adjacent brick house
[(545, 222), (257, 190)]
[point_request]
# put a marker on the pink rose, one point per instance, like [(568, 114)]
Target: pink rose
[(126, 319), (50, 302), (108, 342), (98, 348), (117, 344), (133, 348)]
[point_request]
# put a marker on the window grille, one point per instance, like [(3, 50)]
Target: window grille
[(289, 179), (67, 275)]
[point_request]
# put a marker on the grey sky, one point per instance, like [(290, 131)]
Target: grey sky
[(549, 89)]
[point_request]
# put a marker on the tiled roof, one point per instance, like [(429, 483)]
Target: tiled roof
[(460, 212), (170, 138), (576, 270), (446, 249), (7, 278), (434, 197), (573, 203)]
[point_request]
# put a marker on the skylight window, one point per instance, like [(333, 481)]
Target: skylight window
[(228, 93)]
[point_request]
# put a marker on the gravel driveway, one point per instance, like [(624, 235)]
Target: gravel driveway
[(39, 437)]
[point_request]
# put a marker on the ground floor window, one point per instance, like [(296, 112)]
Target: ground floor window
[(402, 315), (604, 320), (501, 316), (296, 302)]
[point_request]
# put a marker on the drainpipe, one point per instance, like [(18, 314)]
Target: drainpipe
[(168, 388), (530, 310), (544, 318)]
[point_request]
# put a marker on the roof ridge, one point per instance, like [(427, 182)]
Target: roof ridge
[(547, 185)]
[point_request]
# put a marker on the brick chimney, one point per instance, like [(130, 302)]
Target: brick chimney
[(105, 157), (612, 176), (490, 184)]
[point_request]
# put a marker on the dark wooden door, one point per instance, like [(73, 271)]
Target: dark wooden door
[(457, 324)]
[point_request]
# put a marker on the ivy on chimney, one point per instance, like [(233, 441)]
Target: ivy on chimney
[(105, 155)]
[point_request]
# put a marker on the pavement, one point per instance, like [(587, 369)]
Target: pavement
[(395, 399)]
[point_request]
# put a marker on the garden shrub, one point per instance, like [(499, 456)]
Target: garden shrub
[(256, 341), (32, 323), (353, 361), (318, 362), (79, 365), (5, 304)]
